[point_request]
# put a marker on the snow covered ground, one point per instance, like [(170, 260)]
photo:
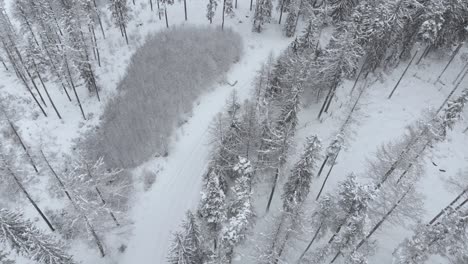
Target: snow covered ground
[(379, 120), (159, 211), (177, 187)]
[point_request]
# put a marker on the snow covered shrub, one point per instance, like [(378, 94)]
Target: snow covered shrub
[(163, 80), (149, 177)]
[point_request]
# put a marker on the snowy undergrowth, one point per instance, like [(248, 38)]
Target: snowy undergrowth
[(165, 77)]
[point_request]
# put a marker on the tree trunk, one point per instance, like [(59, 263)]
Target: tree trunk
[(375, 228), (224, 10), (165, 15), (20, 185), (251, 5), (97, 48), (281, 11), (415, 140), (47, 92), (151, 4), (121, 31), (35, 87), (323, 166), (104, 203), (433, 220), (99, 19), (405, 172), (11, 59), (28, 25), (29, 75), (185, 9), (331, 98), (4, 65), (310, 243), (384, 218), (316, 50), (454, 54), (55, 20), (358, 76), (159, 9), (348, 118), (281, 249), (56, 72), (93, 79), (335, 257), (94, 46), (273, 190), (101, 197), (124, 30), (74, 88), (325, 103), (461, 205), (297, 17), (452, 92), (460, 73), (424, 54), (403, 75), (75, 206), (31, 93), (33, 164), (326, 178)]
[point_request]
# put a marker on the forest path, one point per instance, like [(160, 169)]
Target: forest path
[(159, 212)]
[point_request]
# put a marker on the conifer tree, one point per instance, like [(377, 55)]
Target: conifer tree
[(289, 26), (443, 235), (454, 22), (88, 184), (263, 11), (340, 10), (448, 237), (213, 204), (298, 184), (229, 8), (452, 113), (77, 199), (228, 135), (120, 15), (240, 209), (29, 241), (350, 204), (210, 9), (187, 244), (185, 9), (309, 40), (331, 152), (339, 61), (165, 3), (282, 7), (292, 18)]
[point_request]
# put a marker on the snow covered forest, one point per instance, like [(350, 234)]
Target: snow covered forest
[(233, 131)]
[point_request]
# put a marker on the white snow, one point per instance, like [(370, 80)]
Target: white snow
[(159, 211)]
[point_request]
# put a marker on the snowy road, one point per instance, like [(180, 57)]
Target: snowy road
[(160, 211)]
